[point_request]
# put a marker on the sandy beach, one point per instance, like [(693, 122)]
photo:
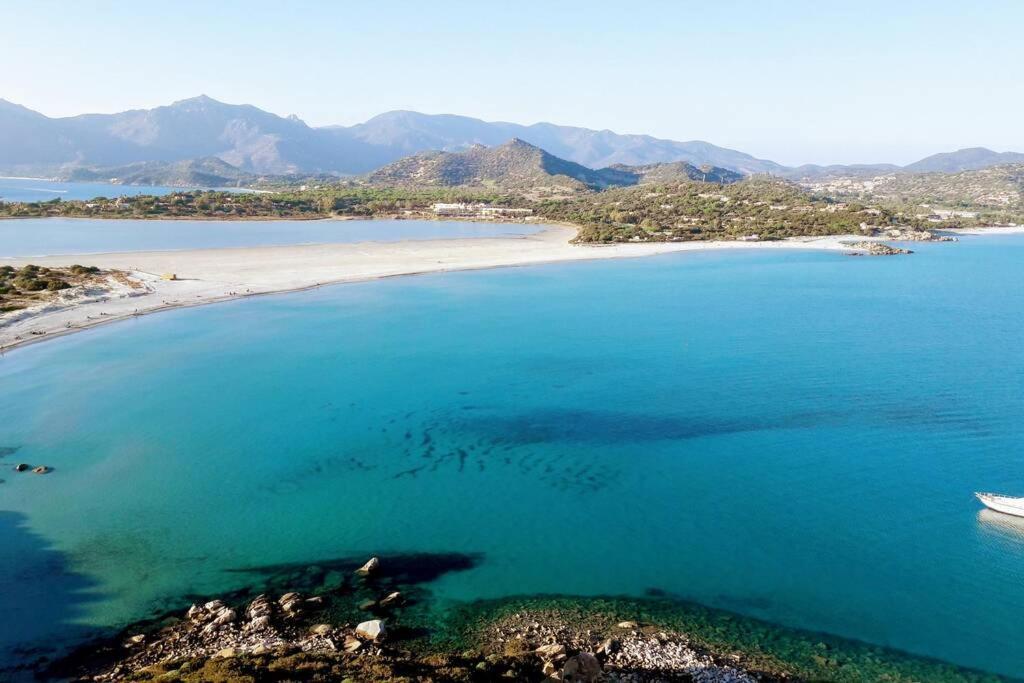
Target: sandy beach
[(211, 275)]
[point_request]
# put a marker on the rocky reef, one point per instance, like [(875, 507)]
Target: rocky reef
[(375, 621)]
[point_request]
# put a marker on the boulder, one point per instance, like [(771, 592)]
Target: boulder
[(608, 647), (42, 469), (584, 667), (224, 616), (626, 624), (321, 629), (226, 653), (552, 651), (22, 467), (259, 623), (352, 644), (371, 630), (371, 567), (291, 603)]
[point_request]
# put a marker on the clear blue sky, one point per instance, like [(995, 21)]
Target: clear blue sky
[(796, 81)]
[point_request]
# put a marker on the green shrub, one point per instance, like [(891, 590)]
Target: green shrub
[(55, 284), (83, 270), (29, 283)]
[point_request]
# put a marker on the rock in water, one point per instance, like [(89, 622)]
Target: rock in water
[(391, 599), (369, 568), (371, 630)]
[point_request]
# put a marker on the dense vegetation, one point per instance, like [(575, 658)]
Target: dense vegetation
[(765, 208), (760, 207)]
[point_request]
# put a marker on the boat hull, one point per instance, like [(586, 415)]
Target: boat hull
[(1003, 504)]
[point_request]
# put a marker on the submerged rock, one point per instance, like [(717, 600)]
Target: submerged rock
[(42, 469), (21, 467), (391, 599)]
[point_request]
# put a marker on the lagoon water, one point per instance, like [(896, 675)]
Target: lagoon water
[(42, 190), (790, 435), (50, 236)]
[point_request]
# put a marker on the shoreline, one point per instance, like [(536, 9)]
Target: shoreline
[(208, 276)]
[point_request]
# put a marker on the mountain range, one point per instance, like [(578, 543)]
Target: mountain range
[(260, 143)]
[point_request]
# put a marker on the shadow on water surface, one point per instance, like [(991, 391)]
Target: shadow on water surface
[(410, 569), (1006, 527), (41, 599)]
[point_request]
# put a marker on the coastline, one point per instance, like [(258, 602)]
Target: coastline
[(207, 276)]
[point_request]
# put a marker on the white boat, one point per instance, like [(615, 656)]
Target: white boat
[(1005, 504)]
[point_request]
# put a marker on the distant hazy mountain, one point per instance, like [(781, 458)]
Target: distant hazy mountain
[(205, 172), (968, 159), (241, 135), (677, 171), (816, 171), (407, 132), (259, 142)]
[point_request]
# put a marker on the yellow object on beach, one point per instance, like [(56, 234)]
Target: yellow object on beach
[(169, 276)]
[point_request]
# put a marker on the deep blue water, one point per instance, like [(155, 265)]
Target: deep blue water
[(792, 435), (40, 190), (43, 236)]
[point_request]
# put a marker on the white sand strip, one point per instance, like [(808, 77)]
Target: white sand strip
[(211, 275)]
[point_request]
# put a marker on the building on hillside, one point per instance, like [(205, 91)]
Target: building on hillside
[(497, 211), (458, 209)]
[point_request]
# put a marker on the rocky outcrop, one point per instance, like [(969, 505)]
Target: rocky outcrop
[(911, 235), (874, 249)]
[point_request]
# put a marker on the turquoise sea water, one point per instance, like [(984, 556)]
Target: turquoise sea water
[(41, 190), (791, 435), (43, 236)]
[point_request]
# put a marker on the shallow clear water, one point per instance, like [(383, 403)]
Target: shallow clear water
[(42, 236), (41, 190), (791, 435)]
